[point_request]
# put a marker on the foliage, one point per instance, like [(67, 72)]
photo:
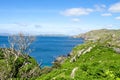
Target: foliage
[(111, 37), (20, 68), (101, 63), (15, 61)]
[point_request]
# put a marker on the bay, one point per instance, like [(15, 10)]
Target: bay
[(47, 48)]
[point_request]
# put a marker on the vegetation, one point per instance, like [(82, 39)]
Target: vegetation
[(15, 61), (97, 59), (103, 35), (17, 68), (101, 63)]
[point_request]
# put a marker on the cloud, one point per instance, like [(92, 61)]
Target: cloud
[(117, 18), (106, 14), (83, 11), (76, 20), (100, 8), (77, 11), (115, 8)]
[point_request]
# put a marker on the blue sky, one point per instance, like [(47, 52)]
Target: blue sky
[(69, 17)]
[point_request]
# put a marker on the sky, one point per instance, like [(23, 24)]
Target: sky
[(68, 17)]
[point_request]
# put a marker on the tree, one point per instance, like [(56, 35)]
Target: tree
[(21, 43), (17, 59)]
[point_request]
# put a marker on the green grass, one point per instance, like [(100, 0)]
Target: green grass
[(101, 63)]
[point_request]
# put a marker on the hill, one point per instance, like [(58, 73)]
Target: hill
[(96, 59), (103, 35), (90, 61)]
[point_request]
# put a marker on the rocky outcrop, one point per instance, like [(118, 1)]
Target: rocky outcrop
[(80, 52), (73, 59), (70, 54), (87, 50), (73, 72), (116, 50), (60, 59)]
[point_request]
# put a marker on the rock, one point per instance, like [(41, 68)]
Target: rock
[(80, 52), (117, 50), (73, 72), (60, 59), (73, 59), (71, 53), (88, 50)]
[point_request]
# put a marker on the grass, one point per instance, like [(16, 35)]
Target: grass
[(101, 63)]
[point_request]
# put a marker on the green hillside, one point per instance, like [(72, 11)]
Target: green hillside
[(113, 36), (95, 62), (97, 59)]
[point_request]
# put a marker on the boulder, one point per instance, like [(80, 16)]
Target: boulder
[(60, 59), (88, 50), (73, 72), (73, 59), (80, 52), (117, 50)]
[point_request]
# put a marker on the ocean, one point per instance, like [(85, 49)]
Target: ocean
[(47, 48)]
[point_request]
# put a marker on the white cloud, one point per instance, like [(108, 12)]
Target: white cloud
[(76, 20), (106, 14), (100, 7), (77, 11), (115, 8), (117, 18)]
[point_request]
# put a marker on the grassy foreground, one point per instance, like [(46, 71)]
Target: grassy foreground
[(100, 63)]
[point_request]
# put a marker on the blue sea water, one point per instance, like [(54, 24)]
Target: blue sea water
[(47, 48)]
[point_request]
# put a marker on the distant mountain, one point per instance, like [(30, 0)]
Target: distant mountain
[(52, 35), (4, 34), (97, 34)]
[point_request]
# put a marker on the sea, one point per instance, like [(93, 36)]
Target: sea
[(45, 49)]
